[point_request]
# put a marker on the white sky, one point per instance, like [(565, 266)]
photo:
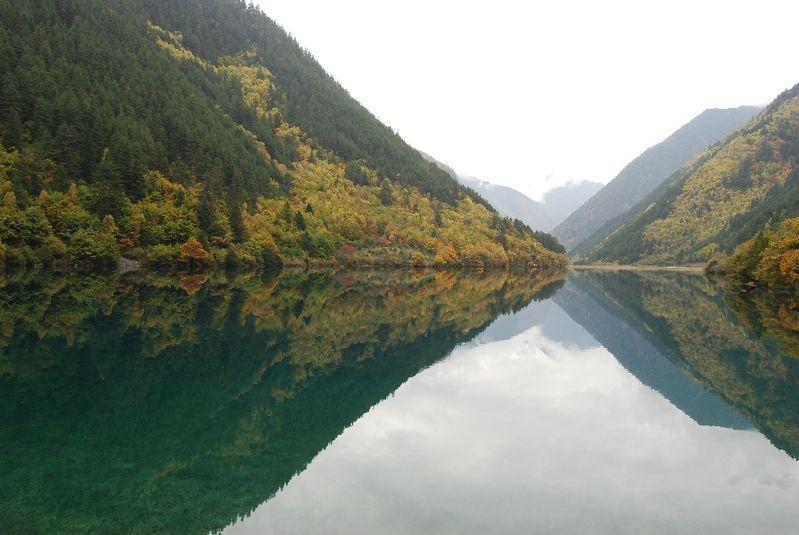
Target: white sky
[(534, 94)]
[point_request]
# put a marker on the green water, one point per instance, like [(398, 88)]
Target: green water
[(396, 402)]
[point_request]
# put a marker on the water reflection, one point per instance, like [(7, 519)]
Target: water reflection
[(526, 431), (163, 404), (613, 320), (689, 319), (396, 402)]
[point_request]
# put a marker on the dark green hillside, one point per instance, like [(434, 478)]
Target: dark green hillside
[(314, 101), (198, 132), (88, 93)]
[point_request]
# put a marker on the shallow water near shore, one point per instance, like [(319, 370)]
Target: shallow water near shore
[(397, 402)]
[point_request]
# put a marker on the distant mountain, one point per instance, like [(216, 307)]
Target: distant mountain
[(544, 215), (641, 176), (511, 202), (560, 202), (747, 182)]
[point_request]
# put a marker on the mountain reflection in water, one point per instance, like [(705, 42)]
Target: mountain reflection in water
[(397, 402)]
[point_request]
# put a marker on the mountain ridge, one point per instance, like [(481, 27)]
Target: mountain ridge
[(542, 215), (647, 171), (743, 184), (198, 133)]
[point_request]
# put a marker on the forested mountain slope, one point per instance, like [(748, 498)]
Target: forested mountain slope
[(197, 132), (641, 176), (746, 182)]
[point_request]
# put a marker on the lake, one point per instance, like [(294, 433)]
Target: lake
[(397, 402)]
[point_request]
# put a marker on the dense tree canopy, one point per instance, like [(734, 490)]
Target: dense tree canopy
[(151, 128)]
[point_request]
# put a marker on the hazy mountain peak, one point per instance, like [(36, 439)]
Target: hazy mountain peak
[(646, 172), (556, 204)]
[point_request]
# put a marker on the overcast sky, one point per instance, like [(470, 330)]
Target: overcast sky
[(531, 95)]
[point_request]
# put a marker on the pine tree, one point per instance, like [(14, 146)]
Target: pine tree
[(13, 130), (386, 196), (205, 211), (109, 198), (286, 212), (299, 221), (437, 219), (237, 222)]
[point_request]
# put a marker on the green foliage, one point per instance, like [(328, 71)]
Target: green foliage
[(733, 191), (771, 258), (299, 221), (549, 241), (205, 211), (386, 196), (93, 246), (355, 172), (286, 212), (747, 256), (270, 256), (18, 227), (438, 221), (65, 213), (237, 223), (313, 100), (51, 251), (200, 120), (163, 255)]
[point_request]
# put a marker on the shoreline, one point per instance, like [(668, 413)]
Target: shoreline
[(689, 268)]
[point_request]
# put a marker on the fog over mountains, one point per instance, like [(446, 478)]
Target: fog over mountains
[(648, 171), (543, 215)]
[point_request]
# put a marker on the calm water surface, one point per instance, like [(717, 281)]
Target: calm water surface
[(608, 402)]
